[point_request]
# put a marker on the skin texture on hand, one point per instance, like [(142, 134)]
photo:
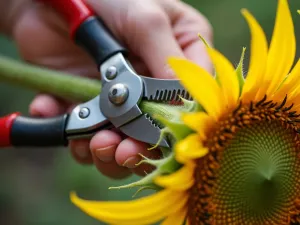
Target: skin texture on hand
[(152, 31)]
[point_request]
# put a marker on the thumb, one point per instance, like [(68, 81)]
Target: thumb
[(156, 47)]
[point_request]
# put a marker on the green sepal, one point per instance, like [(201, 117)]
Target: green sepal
[(204, 41), (240, 70), (192, 106), (146, 181), (176, 128), (170, 165), (199, 108), (163, 166), (154, 187), (188, 106)]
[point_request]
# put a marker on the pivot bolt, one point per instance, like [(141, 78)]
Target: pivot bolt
[(84, 113), (118, 94), (111, 72)]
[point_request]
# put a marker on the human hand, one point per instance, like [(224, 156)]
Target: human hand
[(152, 30)]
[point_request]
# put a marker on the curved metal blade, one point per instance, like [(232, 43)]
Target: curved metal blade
[(143, 129), (163, 89)]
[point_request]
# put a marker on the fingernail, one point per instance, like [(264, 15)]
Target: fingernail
[(106, 154), (81, 151), (132, 161)]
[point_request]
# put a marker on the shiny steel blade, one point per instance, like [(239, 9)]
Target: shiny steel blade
[(144, 129), (163, 90)]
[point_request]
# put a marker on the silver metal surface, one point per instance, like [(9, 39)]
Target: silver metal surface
[(111, 72), (143, 129), (163, 90), (84, 113), (119, 62), (118, 115), (95, 119), (118, 94)]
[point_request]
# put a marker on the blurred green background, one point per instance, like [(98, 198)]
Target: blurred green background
[(35, 183)]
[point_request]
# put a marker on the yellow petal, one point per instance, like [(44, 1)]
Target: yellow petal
[(146, 210), (199, 121), (176, 218), (291, 83), (282, 51), (297, 108), (189, 148), (181, 180), (227, 77), (294, 98), (200, 84), (258, 58)]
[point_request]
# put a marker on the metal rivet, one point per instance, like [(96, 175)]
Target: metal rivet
[(111, 73), (84, 113), (118, 94)]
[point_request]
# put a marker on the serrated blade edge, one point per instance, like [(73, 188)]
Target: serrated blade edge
[(163, 90), (143, 129)]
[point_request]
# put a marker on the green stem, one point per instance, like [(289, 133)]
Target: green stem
[(60, 84), (64, 85)]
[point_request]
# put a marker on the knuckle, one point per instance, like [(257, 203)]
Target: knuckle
[(154, 18), (207, 29), (144, 16), (204, 26)]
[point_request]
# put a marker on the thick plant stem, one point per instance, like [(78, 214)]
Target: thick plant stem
[(67, 86), (64, 85)]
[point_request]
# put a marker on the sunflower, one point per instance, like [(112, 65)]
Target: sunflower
[(240, 165)]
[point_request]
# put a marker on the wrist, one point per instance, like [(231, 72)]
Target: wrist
[(10, 12)]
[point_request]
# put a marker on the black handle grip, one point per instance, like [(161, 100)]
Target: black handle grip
[(94, 36), (35, 132)]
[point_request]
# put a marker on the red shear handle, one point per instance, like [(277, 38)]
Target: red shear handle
[(5, 129), (17, 130), (75, 12)]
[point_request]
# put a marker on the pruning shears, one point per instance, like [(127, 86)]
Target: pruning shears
[(117, 106)]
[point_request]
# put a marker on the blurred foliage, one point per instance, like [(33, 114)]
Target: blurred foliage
[(35, 183)]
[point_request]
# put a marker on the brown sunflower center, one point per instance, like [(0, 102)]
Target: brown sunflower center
[(251, 174)]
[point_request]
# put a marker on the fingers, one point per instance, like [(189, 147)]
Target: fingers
[(112, 169), (120, 156), (104, 144), (80, 151), (129, 154), (45, 105)]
